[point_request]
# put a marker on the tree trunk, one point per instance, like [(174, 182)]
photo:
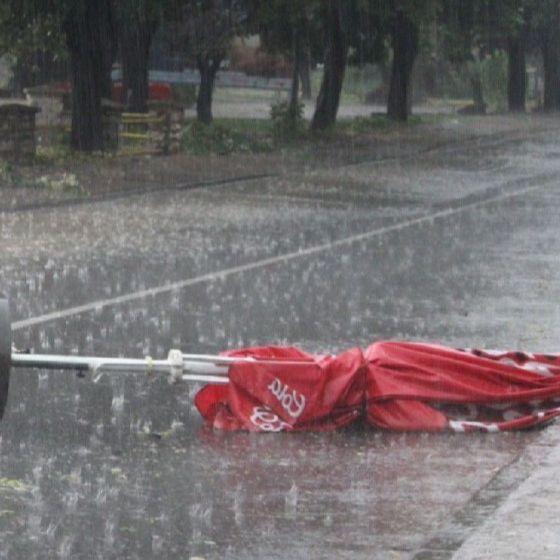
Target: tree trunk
[(85, 27), (109, 48), (208, 69), (517, 76), (305, 61), (551, 62), (430, 78), (296, 56), (479, 106), (22, 76), (305, 72), (334, 68), (433, 63), (136, 35), (385, 73), (405, 49)]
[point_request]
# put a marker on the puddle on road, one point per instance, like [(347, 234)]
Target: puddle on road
[(87, 479)]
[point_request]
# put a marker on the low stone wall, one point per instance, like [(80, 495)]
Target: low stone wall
[(50, 100), (17, 131)]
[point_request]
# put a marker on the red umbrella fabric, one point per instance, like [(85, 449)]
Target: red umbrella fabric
[(392, 385), (305, 393)]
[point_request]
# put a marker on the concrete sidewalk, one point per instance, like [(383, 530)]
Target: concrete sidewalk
[(527, 524)]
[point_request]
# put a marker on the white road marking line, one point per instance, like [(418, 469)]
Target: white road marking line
[(222, 274)]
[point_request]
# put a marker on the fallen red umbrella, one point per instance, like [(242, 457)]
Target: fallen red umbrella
[(391, 385)]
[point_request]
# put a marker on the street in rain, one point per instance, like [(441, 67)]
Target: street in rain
[(210, 177)]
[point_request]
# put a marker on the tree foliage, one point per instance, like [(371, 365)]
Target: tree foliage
[(136, 22), (203, 31), (333, 33)]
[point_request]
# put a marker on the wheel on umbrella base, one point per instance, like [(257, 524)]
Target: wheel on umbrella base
[(5, 353)]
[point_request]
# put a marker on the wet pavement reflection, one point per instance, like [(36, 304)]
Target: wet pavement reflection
[(124, 468)]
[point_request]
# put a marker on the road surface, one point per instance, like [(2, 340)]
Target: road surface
[(459, 245)]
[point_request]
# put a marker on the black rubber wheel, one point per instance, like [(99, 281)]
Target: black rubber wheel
[(5, 353)]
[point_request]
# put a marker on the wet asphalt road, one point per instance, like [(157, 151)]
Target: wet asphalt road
[(458, 246)]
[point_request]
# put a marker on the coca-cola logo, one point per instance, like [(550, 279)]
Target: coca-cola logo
[(292, 401), (266, 421)]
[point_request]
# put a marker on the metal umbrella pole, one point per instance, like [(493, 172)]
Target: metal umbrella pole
[(201, 368), (180, 367), (174, 366)]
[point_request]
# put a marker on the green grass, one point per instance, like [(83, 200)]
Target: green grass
[(256, 127), (9, 175), (228, 136), (47, 169), (55, 150), (375, 123)]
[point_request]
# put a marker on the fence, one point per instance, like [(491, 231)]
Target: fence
[(158, 131)]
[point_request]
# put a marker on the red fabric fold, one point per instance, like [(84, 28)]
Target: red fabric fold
[(423, 387), (392, 385), (318, 393)]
